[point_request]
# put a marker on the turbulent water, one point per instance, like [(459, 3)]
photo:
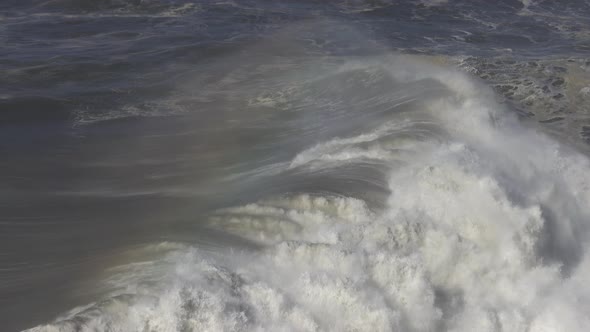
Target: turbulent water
[(172, 165)]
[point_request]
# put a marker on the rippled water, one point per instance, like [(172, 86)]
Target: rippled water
[(294, 165)]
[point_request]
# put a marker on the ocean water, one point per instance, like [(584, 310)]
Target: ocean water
[(294, 165)]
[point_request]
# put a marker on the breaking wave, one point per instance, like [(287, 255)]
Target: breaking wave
[(476, 222)]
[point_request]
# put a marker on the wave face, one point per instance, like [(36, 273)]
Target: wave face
[(441, 212)]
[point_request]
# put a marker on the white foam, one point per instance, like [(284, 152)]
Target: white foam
[(339, 150)]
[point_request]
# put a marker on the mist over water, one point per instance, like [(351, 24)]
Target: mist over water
[(300, 175)]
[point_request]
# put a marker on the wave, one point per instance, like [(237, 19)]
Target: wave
[(482, 227)]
